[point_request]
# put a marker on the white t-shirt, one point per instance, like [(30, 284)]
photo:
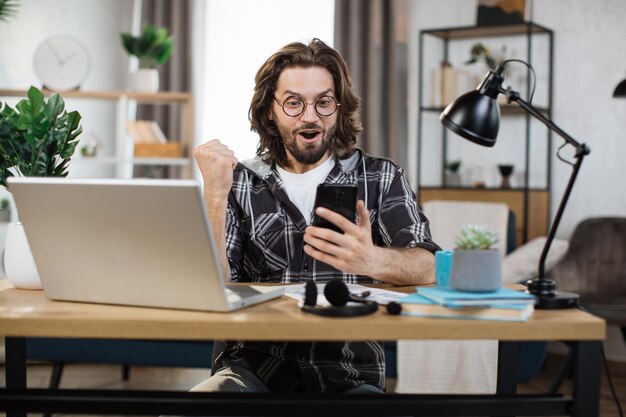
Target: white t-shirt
[(301, 188)]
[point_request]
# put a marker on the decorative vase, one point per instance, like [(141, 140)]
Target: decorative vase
[(145, 80), (5, 216), (19, 264), (453, 179), (505, 171), (476, 270)]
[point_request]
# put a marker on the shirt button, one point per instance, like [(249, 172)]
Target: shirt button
[(305, 268)]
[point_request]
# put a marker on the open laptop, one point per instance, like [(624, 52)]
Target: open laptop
[(129, 242)]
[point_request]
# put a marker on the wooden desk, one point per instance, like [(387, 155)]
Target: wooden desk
[(30, 314)]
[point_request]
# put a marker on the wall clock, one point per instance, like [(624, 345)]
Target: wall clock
[(62, 63)]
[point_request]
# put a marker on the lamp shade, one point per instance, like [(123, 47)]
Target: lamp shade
[(620, 90), (474, 116)]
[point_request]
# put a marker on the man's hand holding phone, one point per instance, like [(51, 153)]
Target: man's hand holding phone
[(340, 198), (347, 246)]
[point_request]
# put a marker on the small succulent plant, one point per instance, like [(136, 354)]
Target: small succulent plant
[(453, 166), (476, 237), (480, 52)]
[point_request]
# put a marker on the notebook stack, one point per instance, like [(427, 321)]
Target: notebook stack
[(502, 305)]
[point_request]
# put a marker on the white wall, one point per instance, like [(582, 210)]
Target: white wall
[(589, 61), (266, 26), (98, 25)]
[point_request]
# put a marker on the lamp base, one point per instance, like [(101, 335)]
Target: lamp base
[(549, 297)]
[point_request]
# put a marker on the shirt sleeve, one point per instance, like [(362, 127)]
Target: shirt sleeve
[(234, 243), (402, 222)]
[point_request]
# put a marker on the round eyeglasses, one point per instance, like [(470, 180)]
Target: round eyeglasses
[(294, 106)]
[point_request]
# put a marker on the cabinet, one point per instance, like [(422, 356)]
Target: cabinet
[(522, 142), (118, 145)]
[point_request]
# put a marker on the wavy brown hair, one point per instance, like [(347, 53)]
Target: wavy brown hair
[(297, 54)]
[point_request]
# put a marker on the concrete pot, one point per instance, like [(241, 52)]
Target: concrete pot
[(144, 80), (476, 270), (5, 216)]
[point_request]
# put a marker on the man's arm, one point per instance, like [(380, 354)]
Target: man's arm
[(355, 253), (216, 163), (405, 266)]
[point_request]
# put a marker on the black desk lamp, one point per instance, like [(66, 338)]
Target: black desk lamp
[(620, 90), (476, 117)]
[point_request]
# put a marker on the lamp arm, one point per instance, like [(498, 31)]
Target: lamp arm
[(581, 151), (514, 96)]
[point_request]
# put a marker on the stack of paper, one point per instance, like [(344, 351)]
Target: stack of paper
[(504, 304)]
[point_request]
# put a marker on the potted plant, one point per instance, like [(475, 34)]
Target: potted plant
[(152, 47), (480, 52), (476, 266), (5, 210), (37, 139), (453, 178), (8, 9)]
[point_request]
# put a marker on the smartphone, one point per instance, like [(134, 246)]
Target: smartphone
[(340, 198)]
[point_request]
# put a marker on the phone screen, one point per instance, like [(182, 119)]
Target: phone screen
[(340, 198)]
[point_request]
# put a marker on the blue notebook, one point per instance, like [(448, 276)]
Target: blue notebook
[(453, 298), (420, 306)]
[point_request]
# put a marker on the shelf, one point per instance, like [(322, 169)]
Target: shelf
[(162, 161), (98, 160), (531, 205), (136, 161), (124, 160), (481, 189), (467, 32), (504, 108), (158, 97)]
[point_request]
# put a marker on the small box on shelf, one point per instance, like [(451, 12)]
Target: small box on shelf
[(158, 150)]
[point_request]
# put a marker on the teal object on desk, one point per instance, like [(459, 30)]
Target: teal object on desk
[(443, 266)]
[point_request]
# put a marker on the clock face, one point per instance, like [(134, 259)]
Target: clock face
[(62, 63)]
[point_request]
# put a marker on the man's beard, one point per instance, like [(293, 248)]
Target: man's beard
[(307, 153)]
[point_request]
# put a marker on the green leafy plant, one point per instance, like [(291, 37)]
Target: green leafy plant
[(37, 139), (153, 47), (476, 237), (8, 9), (453, 166), (480, 52), (5, 204)]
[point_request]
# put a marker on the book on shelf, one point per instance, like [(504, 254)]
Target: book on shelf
[(454, 298), (420, 306), (157, 133), (133, 129), (146, 131)]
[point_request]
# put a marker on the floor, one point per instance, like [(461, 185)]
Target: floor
[(109, 377)]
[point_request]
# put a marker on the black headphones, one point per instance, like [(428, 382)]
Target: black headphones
[(338, 295)]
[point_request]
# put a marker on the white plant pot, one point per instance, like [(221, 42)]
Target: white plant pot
[(19, 264), (145, 80), (476, 270)]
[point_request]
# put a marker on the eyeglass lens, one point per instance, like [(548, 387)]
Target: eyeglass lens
[(324, 106)]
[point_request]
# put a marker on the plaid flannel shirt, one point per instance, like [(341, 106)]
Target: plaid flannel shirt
[(264, 240)]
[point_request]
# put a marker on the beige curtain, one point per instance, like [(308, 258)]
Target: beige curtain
[(373, 37)]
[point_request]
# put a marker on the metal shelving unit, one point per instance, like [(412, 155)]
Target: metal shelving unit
[(530, 204)]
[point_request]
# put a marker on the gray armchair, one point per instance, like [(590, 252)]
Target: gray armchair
[(595, 268)]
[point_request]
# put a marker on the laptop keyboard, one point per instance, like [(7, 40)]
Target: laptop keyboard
[(242, 290)]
